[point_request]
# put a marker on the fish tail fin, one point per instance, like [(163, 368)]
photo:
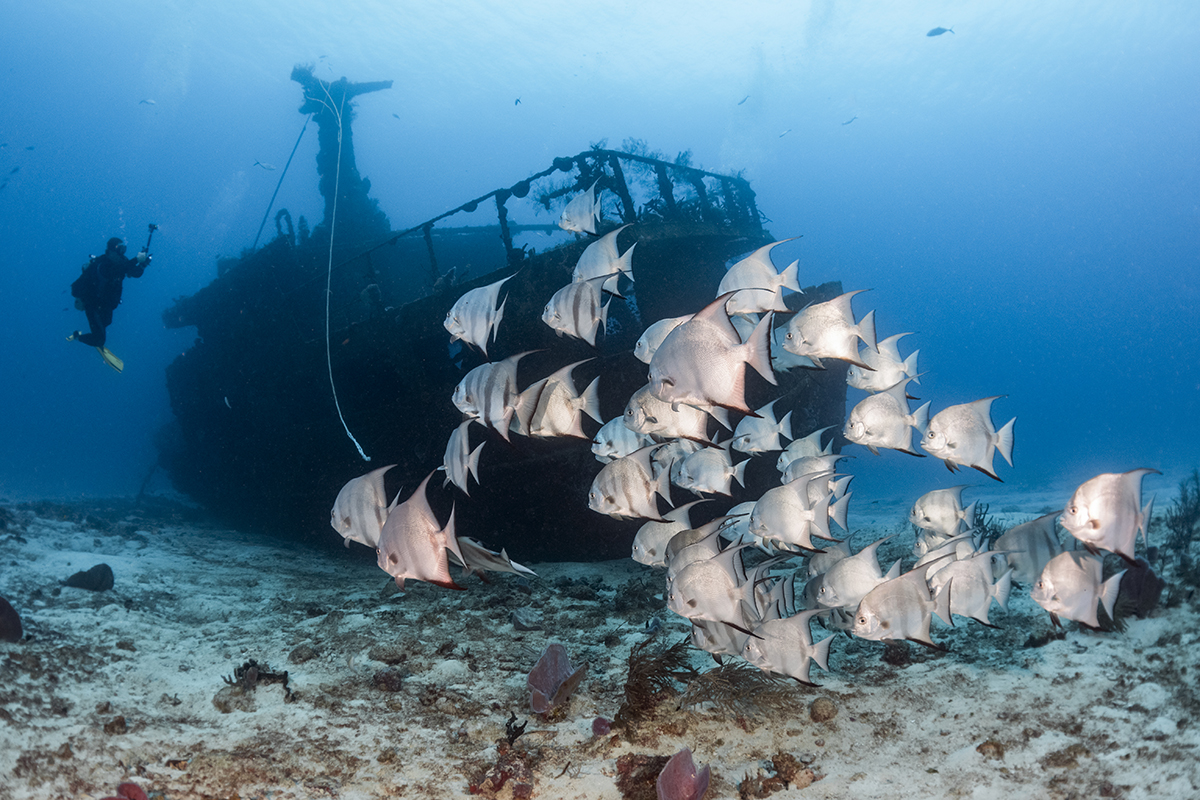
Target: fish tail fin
[(759, 348), (837, 511), (785, 426), (941, 603), (1144, 522), (591, 400), (791, 276), (625, 262), (866, 331), (452, 538), (662, 487), (820, 653), (1002, 589), (920, 418), (910, 367), (968, 516), (496, 320), (1108, 592), (1004, 440), (777, 302), (473, 461), (739, 473)]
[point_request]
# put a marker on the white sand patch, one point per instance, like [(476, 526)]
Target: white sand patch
[(1007, 712)]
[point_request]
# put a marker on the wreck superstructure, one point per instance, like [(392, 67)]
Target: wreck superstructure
[(257, 437)]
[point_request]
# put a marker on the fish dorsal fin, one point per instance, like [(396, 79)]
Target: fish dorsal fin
[(889, 349), (563, 374), (681, 514), (898, 392), (715, 314)]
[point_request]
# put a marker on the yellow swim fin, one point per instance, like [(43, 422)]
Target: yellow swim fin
[(111, 359)]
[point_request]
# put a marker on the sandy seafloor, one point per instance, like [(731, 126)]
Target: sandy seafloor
[(1088, 715)]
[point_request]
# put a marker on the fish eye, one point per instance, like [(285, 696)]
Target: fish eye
[(862, 620)]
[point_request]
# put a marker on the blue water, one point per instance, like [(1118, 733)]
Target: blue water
[(1023, 194)]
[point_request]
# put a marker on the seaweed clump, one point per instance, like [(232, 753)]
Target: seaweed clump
[(1182, 520), (743, 692), (986, 526), (248, 676), (654, 670)]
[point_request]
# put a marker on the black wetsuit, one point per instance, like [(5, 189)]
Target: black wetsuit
[(99, 289)]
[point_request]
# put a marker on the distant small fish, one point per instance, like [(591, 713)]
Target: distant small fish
[(3, 145), (1071, 586), (474, 317), (828, 330), (971, 587), (650, 543), (901, 608), (785, 646), (760, 434), (14, 170), (29, 148), (710, 470), (560, 407), (397, 116), (578, 310), (268, 167), (654, 335), (625, 488), (582, 213), (847, 122), (614, 441), (940, 31), (477, 558), (785, 133), (459, 461), (883, 420), (647, 415), (744, 99), (227, 404), (362, 508), (414, 546), (1106, 512), (147, 102), (700, 363), (601, 257), (805, 447), (850, 578), (758, 284), (489, 393), (1028, 547), (964, 436), (884, 366), (941, 512), (517, 102)]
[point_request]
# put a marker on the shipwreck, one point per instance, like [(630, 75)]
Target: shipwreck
[(289, 326)]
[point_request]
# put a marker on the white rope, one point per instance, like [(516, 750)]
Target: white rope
[(329, 273)]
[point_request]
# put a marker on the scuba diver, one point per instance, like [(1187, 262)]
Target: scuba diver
[(97, 292)]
